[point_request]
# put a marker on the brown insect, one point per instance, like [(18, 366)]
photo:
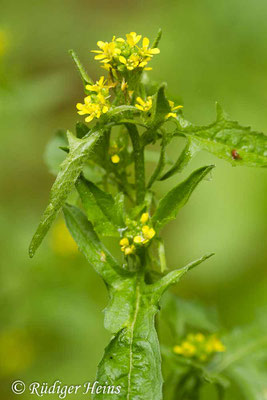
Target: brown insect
[(235, 154)]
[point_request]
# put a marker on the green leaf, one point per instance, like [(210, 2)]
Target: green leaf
[(132, 360), (85, 78), (177, 197), (81, 130), (157, 40), (105, 203), (69, 172), (162, 107), (228, 140), (159, 287), (84, 235), (185, 157), (95, 215)]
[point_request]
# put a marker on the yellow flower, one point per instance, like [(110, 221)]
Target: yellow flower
[(115, 159), (124, 242), (178, 349), (199, 337), (145, 51), (133, 38), (129, 250), (173, 109), (144, 218), (138, 239), (99, 85), (107, 52), (132, 62), (148, 233), (95, 107), (144, 105), (188, 349), (199, 346)]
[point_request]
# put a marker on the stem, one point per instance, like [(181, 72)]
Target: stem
[(139, 163)]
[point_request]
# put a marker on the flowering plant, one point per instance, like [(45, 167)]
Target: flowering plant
[(105, 164)]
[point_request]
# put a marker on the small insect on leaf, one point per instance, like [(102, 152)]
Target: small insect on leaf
[(235, 155)]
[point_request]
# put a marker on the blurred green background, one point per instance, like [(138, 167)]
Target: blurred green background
[(51, 322)]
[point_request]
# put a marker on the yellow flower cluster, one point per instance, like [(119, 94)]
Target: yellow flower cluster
[(125, 54), (141, 236), (199, 347), (97, 102)]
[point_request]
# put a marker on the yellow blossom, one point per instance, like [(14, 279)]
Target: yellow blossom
[(94, 106), (132, 62), (173, 109), (199, 337), (144, 218), (107, 52), (145, 51), (199, 346), (124, 242), (178, 349), (138, 239), (188, 349), (115, 159), (148, 232), (99, 85), (129, 250), (133, 38), (143, 105)]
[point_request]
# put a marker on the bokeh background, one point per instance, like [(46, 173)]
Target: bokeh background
[(51, 307)]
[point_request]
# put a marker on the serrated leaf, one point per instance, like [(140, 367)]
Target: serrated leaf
[(95, 215), (177, 197), (228, 140), (88, 242), (69, 172)]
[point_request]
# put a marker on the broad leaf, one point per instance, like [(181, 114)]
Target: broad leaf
[(134, 346), (84, 235), (69, 171), (177, 197), (228, 140)]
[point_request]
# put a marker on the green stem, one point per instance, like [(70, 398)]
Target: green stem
[(139, 163)]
